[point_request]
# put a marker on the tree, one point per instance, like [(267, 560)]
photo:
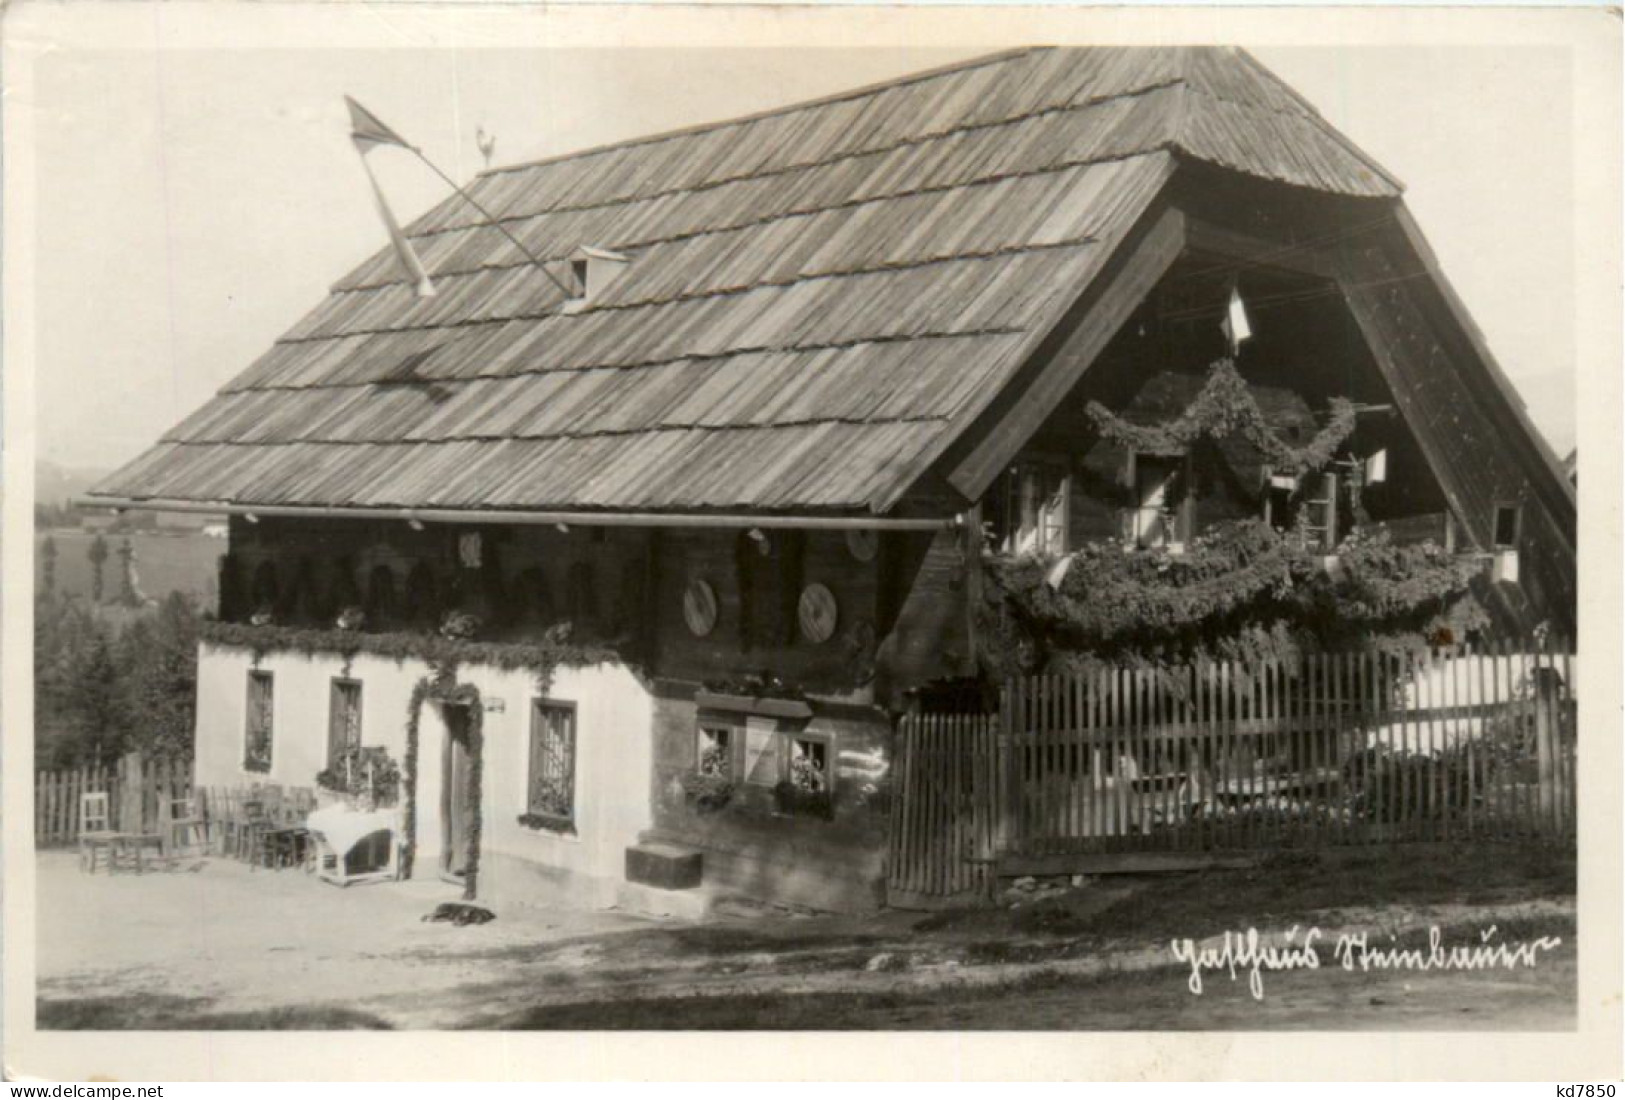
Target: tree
[(158, 662), (97, 715), (62, 628), (98, 558), (48, 566), (98, 694)]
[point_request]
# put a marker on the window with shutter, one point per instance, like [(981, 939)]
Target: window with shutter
[(1028, 510)]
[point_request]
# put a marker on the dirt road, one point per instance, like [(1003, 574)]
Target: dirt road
[(219, 946)]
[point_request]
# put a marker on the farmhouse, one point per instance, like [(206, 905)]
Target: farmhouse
[(645, 559)]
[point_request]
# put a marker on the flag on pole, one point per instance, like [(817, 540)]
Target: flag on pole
[(1376, 468), (1235, 323), (367, 132)]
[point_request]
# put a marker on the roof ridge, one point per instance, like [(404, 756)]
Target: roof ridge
[(874, 88)]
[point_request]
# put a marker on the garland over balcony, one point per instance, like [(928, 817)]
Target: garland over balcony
[(1240, 591)]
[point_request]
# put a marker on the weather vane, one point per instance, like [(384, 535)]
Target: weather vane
[(487, 144)]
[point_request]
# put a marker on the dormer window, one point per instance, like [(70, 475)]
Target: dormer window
[(593, 269)]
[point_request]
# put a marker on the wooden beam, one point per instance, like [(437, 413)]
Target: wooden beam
[(720, 520), (1361, 285), (1366, 309), (1205, 236), (1112, 298), (1545, 457), (1119, 863)]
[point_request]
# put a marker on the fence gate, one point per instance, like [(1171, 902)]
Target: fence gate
[(944, 811)]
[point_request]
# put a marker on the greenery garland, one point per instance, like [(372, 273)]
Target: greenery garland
[(441, 687), (1224, 407), (409, 777), (1240, 591), (553, 650)]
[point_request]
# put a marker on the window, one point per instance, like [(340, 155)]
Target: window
[(343, 719), (769, 566), (381, 594), (714, 758), (593, 269), (1507, 526), (583, 595), (1029, 509), (257, 736), (1155, 518), (808, 769), (551, 801), (263, 594)]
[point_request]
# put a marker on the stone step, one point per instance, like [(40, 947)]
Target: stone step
[(666, 866)]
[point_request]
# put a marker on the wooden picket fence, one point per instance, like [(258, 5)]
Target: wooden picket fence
[(1184, 766), (139, 789)]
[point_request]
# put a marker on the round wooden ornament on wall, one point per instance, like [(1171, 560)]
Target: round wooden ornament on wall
[(818, 613), (863, 544), (700, 608)]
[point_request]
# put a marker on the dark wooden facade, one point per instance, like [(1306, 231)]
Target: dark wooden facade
[(899, 619)]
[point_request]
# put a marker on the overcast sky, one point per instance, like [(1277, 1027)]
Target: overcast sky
[(192, 205)]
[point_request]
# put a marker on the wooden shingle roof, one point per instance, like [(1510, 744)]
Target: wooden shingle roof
[(817, 295)]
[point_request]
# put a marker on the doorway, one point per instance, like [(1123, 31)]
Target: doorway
[(454, 801)]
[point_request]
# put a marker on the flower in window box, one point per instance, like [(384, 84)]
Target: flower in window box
[(459, 625), (351, 618), (708, 792), (262, 617), (551, 797), (802, 802), (715, 761), (806, 769)]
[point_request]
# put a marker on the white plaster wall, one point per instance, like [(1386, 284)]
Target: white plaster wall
[(614, 719), (300, 699)]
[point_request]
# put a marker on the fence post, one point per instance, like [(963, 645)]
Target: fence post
[(1010, 816), (1545, 741), (130, 776)]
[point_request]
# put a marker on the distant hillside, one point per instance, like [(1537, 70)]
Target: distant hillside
[(56, 485)]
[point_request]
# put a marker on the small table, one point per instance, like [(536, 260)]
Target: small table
[(338, 830)]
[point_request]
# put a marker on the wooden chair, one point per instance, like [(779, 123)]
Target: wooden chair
[(187, 829), (288, 840), (252, 831), (232, 822), (96, 833)]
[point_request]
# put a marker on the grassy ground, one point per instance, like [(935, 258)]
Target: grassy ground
[(1282, 888), (1045, 949), (164, 563), (1055, 1000), (152, 1012)]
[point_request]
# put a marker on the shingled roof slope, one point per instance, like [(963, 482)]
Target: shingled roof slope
[(818, 297)]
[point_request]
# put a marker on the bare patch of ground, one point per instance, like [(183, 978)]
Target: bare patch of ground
[(222, 946)]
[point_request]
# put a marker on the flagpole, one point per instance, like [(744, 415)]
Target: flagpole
[(367, 129), (491, 218), (403, 248)]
